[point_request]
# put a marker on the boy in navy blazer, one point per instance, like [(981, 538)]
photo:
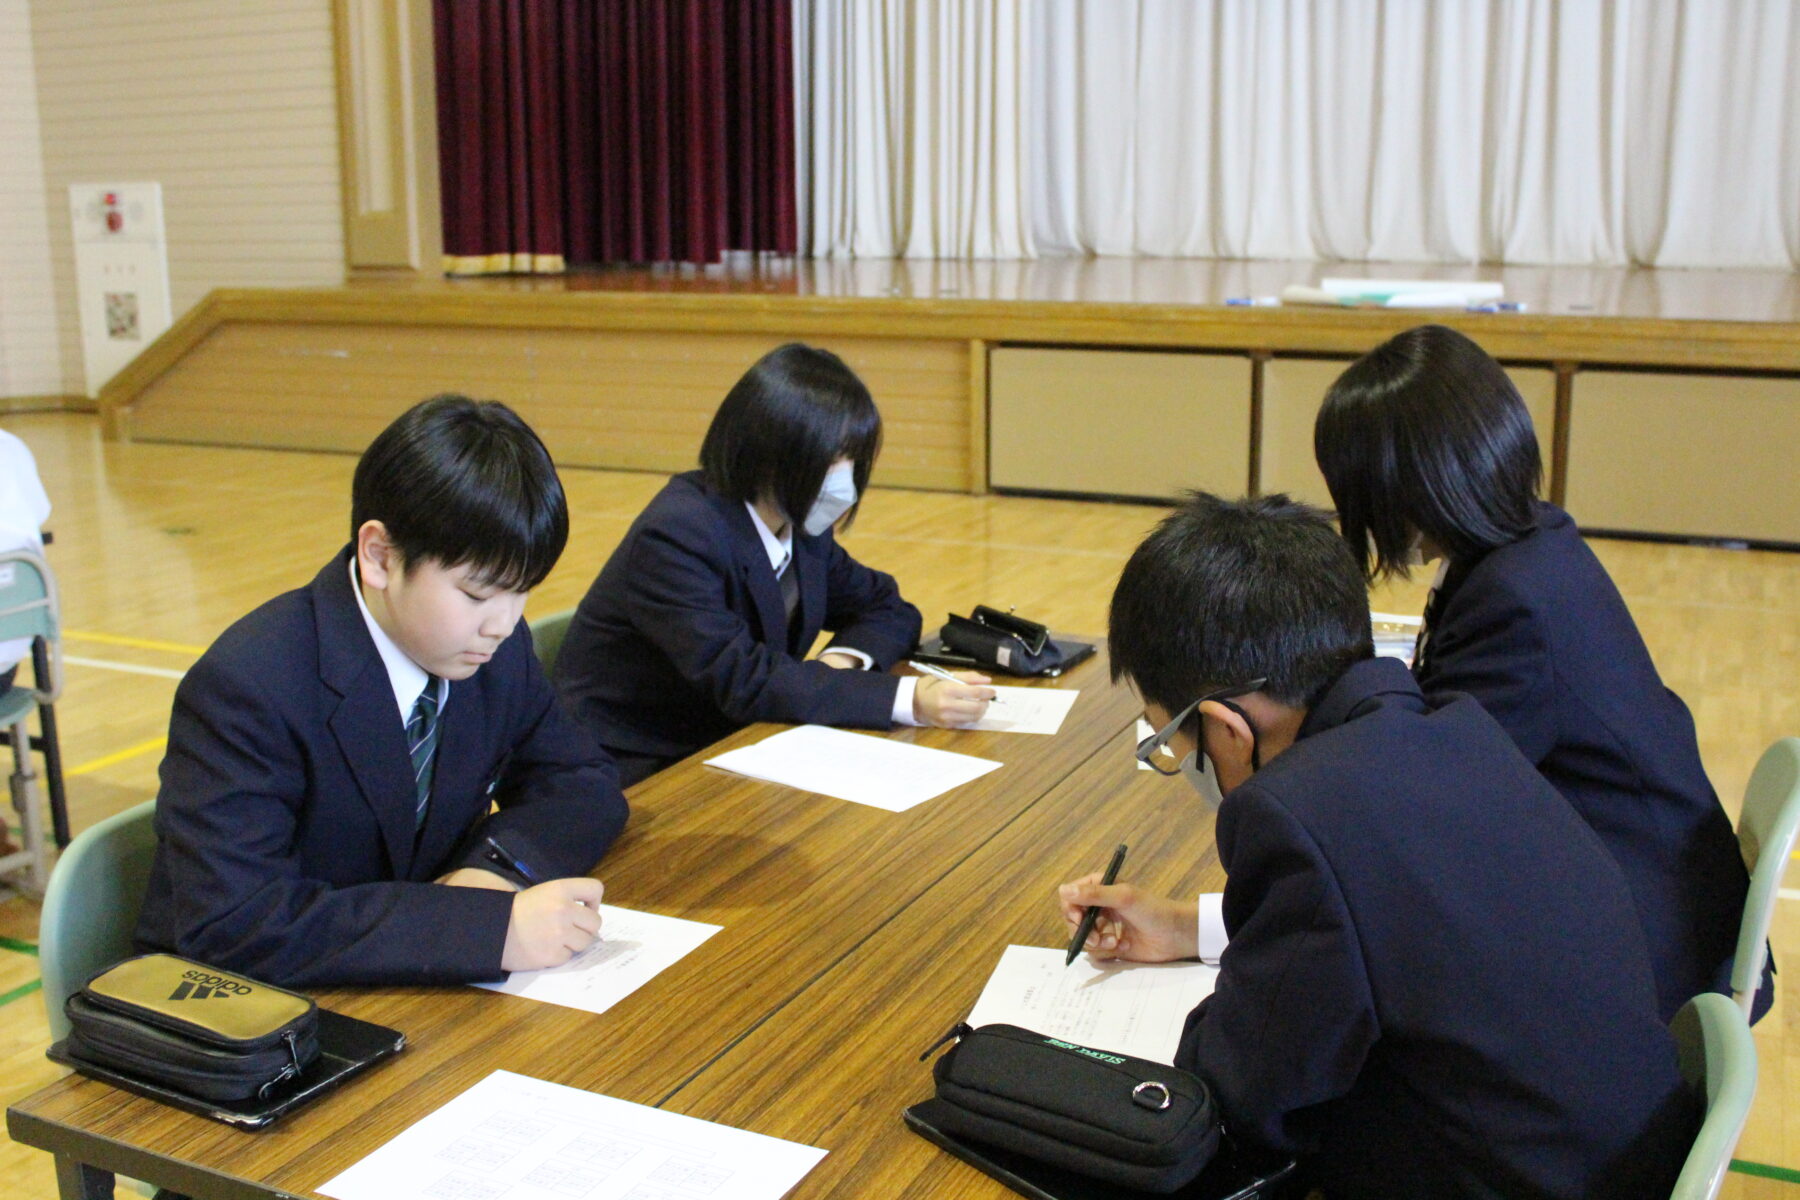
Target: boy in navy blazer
[(369, 780), (1435, 983)]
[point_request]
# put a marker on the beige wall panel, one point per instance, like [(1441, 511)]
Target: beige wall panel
[(1293, 389), (231, 107), (31, 362), (1696, 455), (1119, 423), (634, 400)]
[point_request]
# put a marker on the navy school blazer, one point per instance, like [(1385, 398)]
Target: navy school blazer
[(1537, 632), (683, 637), (1436, 985), (285, 823)]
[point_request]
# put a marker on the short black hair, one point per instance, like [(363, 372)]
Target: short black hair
[(464, 482), (794, 413), (1426, 432), (1226, 591)]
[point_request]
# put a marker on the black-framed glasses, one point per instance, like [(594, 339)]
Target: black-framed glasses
[(1146, 749)]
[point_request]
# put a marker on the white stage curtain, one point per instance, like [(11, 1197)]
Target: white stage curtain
[(1660, 132), (910, 128)]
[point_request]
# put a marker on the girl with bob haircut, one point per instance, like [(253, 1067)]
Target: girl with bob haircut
[(1430, 454), (701, 620)]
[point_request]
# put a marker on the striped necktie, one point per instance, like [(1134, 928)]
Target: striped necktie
[(421, 746)]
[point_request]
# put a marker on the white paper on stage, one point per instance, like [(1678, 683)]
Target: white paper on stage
[(633, 948), (520, 1138), (1129, 1008), (854, 766), (1027, 710)]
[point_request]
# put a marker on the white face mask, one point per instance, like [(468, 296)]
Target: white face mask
[(836, 497), (1197, 769)]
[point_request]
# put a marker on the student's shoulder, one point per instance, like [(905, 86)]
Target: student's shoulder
[(686, 511), (1551, 576), (260, 650)]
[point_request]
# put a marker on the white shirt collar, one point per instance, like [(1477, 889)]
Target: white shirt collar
[(406, 676), (779, 549)]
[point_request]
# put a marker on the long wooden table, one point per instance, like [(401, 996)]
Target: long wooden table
[(851, 937)]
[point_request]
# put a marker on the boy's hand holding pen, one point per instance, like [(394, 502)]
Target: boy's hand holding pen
[(951, 700)]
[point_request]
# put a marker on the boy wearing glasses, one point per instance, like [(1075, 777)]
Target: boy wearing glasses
[(1435, 983)]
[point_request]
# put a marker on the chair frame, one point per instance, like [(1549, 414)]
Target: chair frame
[(1766, 853), (45, 689), (1718, 1058)]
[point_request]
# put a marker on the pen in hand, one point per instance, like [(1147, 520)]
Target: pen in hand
[(1093, 910), (503, 858), (929, 669)]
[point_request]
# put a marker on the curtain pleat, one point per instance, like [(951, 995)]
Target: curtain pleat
[(1653, 132), (629, 131)]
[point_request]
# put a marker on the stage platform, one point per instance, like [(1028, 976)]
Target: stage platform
[(1667, 400)]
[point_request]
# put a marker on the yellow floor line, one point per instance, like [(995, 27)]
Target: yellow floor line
[(107, 760), (116, 639)]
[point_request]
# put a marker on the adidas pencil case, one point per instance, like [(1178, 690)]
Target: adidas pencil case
[(192, 1028)]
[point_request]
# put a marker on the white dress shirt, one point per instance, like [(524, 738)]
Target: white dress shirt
[(1212, 939), (23, 510), (406, 676), (780, 550)]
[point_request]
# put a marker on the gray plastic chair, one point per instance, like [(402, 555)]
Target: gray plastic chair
[(92, 905), (547, 635), (1767, 829), (1719, 1056), (28, 609)]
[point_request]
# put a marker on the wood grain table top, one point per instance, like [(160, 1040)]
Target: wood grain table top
[(800, 883)]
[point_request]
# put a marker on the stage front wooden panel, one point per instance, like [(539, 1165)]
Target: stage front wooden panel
[(599, 398), (1695, 455), (1293, 389), (1118, 422)]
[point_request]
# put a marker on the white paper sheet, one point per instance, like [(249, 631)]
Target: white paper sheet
[(633, 948), (1128, 1008), (854, 766), (520, 1138), (1027, 710)]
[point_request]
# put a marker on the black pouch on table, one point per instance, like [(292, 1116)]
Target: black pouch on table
[(1125, 1121), (991, 640), (192, 1028)]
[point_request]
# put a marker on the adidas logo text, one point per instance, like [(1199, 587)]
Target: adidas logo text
[(198, 985)]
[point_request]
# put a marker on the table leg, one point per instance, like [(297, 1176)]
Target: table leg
[(78, 1181)]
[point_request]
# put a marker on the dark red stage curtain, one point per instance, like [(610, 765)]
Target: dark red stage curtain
[(614, 130)]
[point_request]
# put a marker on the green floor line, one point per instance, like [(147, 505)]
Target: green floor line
[(7, 943), (1785, 1174), (25, 989)]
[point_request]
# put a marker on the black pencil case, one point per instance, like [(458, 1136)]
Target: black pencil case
[(1126, 1121), (1003, 641), (200, 1031)]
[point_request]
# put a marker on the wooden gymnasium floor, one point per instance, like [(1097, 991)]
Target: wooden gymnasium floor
[(159, 547)]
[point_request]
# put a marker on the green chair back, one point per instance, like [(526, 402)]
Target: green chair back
[(28, 609), (547, 635), (1767, 829), (1718, 1056), (92, 903)]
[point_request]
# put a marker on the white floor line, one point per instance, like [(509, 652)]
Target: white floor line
[(1789, 893), (129, 668)]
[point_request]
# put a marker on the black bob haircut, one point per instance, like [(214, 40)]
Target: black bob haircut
[(464, 482), (1426, 432), (1226, 591), (794, 413)]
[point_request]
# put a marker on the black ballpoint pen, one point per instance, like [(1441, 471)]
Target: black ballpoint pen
[(1093, 910)]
